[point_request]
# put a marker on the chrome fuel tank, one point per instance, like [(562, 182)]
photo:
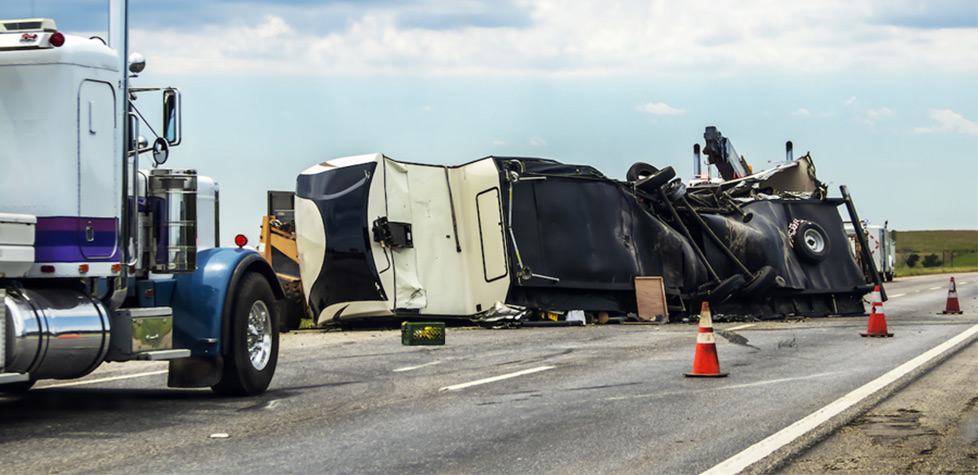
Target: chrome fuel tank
[(54, 333)]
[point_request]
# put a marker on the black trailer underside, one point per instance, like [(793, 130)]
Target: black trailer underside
[(579, 239)]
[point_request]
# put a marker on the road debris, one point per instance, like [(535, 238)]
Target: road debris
[(735, 338)]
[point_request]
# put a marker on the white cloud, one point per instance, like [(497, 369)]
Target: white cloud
[(659, 108), (549, 38), (537, 141), (874, 116), (498, 142), (879, 113), (802, 112), (863, 114), (273, 27), (949, 121)]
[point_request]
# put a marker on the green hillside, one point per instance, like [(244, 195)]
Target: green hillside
[(957, 251)]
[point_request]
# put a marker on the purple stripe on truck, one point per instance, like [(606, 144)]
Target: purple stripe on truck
[(73, 239)]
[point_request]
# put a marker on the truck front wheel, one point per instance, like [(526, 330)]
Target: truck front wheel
[(253, 354)]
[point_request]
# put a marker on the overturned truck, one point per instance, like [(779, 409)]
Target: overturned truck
[(512, 235)]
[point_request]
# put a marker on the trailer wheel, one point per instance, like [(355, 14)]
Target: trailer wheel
[(811, 242), (654, 182), (725, 289), (761, 282), (291, 308), (250, 362), (639, 170)]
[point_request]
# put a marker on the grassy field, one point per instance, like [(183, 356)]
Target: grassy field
[(958, 251)]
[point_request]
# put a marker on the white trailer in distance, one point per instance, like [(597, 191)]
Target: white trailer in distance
[(882, 247)]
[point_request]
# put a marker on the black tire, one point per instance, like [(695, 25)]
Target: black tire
[(253, 354), (654, 182), (726, 288), (811, 242), (639, 170), (762, 281)]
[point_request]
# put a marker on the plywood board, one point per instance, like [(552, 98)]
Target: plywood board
[(650, 293)]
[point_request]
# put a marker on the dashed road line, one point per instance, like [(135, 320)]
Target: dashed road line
[(740, 327), (896, 295), (718, 388), (495, 378), (775, 381), (102, 380), (412, 368)]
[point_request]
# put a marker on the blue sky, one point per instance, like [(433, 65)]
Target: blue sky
[(884, 94)]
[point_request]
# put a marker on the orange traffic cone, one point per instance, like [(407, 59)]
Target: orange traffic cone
[(877, 320), (705, 363), (952, 300)]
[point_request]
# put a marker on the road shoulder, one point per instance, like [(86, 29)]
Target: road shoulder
[(929, 426)]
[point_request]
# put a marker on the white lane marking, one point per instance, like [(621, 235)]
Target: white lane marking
[(897, 295), (936, 288), (741, 327), (720, 388), (773, 381), (495, 378), (785, 436), (95, 381), (412, 368)]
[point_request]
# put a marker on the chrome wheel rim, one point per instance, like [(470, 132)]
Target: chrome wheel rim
[(259, 335), (814, 240)]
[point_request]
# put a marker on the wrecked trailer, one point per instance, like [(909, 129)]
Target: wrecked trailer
[(512, 235)]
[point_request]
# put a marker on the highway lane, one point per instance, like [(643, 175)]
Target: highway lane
[(597, 399)]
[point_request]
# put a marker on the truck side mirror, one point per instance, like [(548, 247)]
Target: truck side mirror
[(161, 150), (171, 116)]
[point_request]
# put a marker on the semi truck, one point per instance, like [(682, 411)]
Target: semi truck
[(102, 260)]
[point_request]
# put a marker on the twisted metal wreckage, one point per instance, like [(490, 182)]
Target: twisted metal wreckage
[(511, 237)]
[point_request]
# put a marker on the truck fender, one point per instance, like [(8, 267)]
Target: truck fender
[(202, 300)]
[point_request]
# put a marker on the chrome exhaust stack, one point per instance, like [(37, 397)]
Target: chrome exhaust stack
[(174, 192)]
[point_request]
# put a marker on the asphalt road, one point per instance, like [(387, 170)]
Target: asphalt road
[(601, 398)]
